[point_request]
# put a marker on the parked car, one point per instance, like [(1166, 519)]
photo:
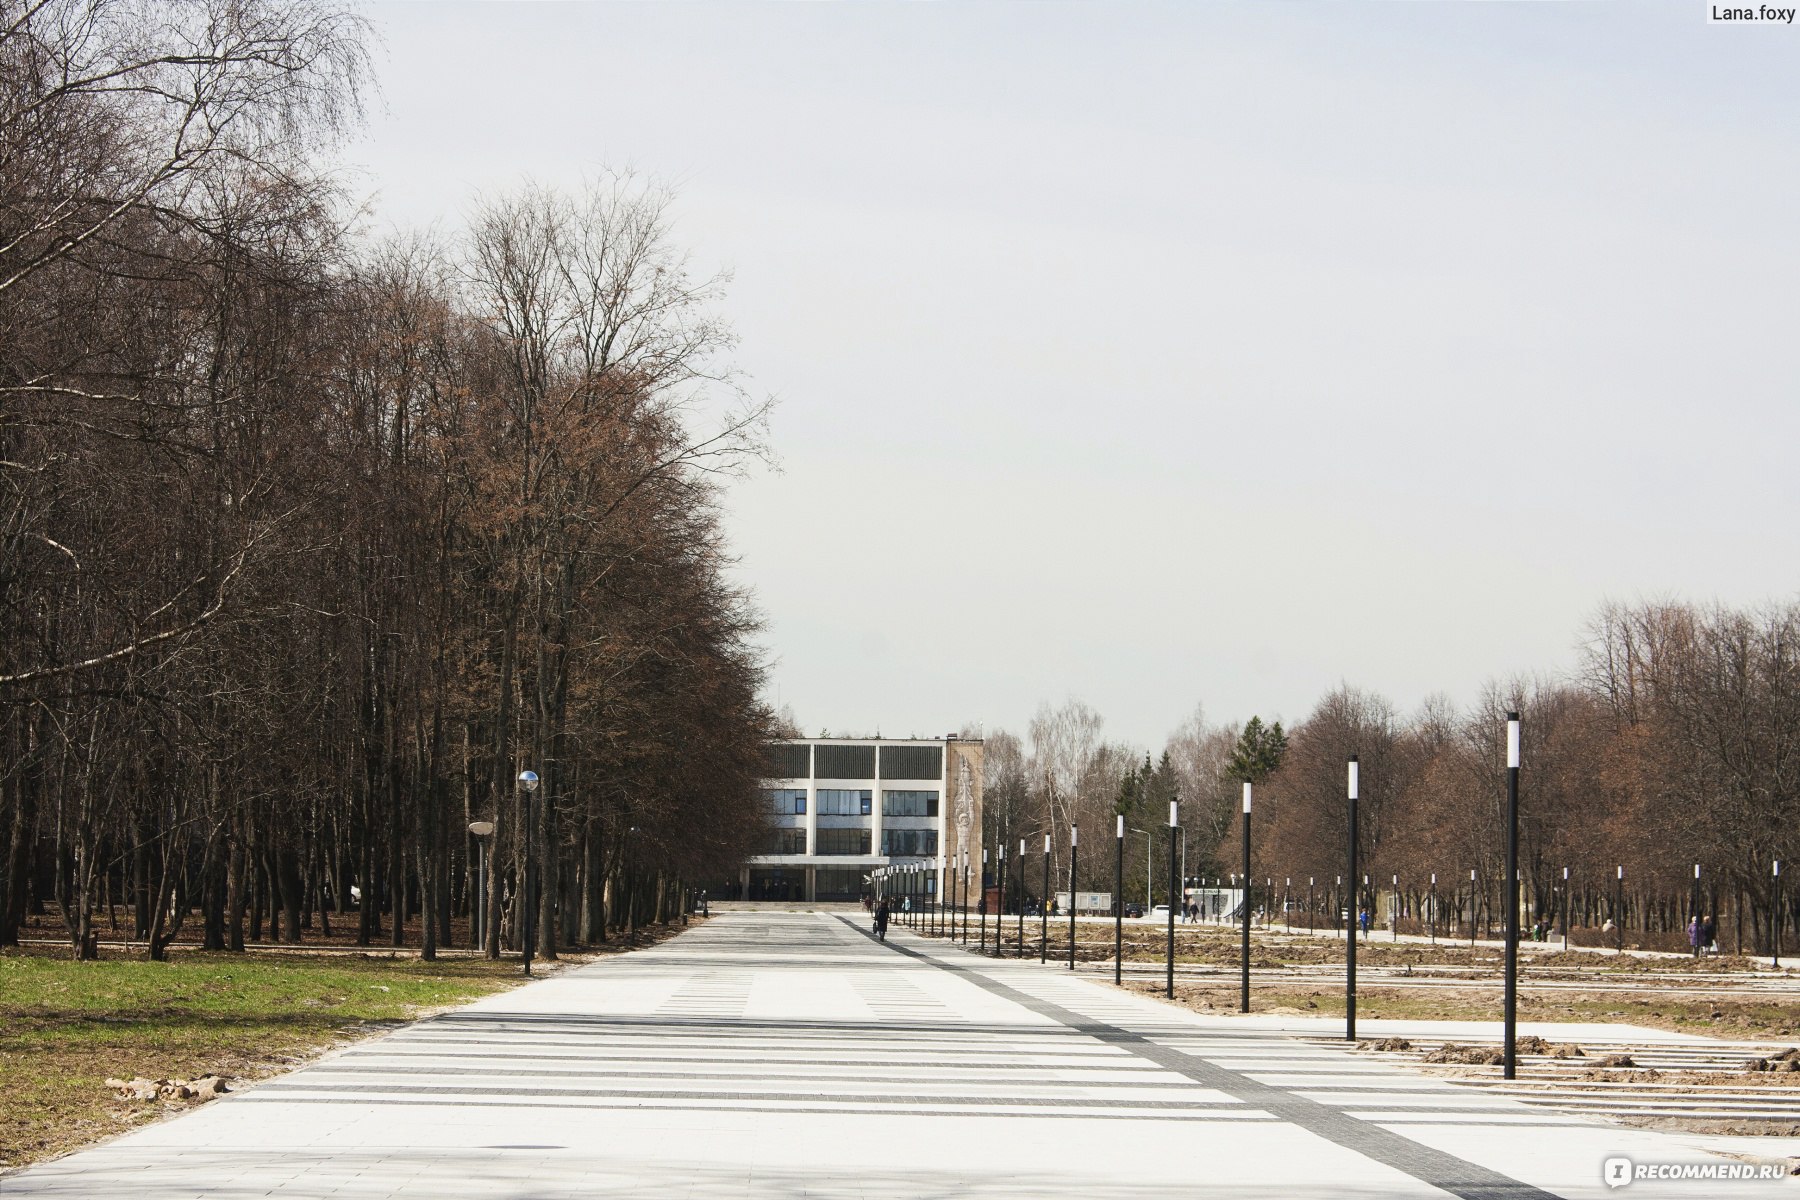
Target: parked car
[(1134, 910), (1160, 913)]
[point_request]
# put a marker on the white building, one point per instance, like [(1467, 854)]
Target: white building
[(841, 807)]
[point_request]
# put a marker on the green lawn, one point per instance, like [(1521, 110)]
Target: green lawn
[(65, 1027)]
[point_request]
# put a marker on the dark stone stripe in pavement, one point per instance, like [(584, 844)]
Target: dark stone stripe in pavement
[(1237, 1113), (1446, 1172)]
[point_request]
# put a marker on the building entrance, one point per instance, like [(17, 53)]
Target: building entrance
[(777, 883)]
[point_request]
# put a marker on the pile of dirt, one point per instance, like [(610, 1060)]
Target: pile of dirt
[(1474, 1056), (1392, 1043), (207, 1087), (1786, 1060), (1616, 1060), (1533, 1044)]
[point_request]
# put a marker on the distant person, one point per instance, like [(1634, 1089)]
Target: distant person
[(881, 920), (1709, 935), (1694, 934), (1364, 919)]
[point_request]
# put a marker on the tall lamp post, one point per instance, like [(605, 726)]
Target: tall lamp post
[(528, 783), (1244, 947), (1619, 910), (1074, 839), (1119, 907), (1775, 917), (1044, 908), (1350, 942), (1000, 903), (1565, 909), (1021, 891), (981, 905), (1174, 827), (1510, 1068), (483, 830), (1431, 901)]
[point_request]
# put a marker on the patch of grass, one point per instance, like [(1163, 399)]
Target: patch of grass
[(1750, 1019), (66, 1026)]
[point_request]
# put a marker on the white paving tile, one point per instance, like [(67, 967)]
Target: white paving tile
[(772, 1055)]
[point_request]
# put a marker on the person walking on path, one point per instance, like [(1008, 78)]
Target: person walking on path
[(1694, 934), (881, 920), (1709, 935)]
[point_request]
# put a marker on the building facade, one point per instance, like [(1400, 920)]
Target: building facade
[(841, 807)]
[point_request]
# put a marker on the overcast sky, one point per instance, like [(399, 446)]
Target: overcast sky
[(1191, 353)]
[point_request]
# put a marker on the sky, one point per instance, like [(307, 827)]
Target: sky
[(1166, 355)]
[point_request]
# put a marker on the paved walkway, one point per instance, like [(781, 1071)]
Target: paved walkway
[(779, 1055)]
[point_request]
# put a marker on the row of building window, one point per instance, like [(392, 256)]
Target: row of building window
[(788, 761), (903, 843), (835, 802), (843, 841), (899, 843), (844, 802)]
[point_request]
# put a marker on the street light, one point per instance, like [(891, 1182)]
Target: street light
[(478, 908), (1174, 824), (1000, 903), (981, 905), (1350, 945), (528, 783), (1044, 908), (1244, 949), (1074, 838), (1565, 909), (1775, 917), (1510, 1069), (1119, 907), (1021, 885)]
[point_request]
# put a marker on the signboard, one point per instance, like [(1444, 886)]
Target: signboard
[(1090, 902)]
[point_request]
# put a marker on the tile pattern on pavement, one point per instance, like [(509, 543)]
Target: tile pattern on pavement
[(777, 1055)]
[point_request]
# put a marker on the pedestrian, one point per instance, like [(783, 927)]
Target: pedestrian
[(881, 919), (1709, 935), (1694, 934), (1363, 918)]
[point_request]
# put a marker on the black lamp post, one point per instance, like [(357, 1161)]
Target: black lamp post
[(528, 782), (1350, 944), (1174, 825), (1244, 947), (981, 905), (1074, 839), (1565, 909), (1775, 917), (1431, 900), (1119, 907), (1619, 910), (1000, 904), (1044, 908), (1021, 890), (1510, 1069)]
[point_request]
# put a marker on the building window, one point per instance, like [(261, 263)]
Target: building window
[(909, 804), (843, 841), (786, 841), (789, 762), (842, 802), (787, 802), (843, 762), (912, 762), (909, 843)]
